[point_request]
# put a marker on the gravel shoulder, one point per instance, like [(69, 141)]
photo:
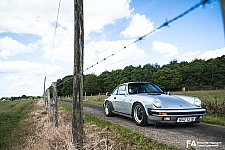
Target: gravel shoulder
[(199, 136)]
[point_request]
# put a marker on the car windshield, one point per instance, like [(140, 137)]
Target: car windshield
[(135, 88)]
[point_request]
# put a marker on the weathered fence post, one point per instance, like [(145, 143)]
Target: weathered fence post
[(55, 101), (183, 91), (48, 100), (77, 121)]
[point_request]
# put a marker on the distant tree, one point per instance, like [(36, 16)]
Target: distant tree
[(167, 78), (59, 85), (194, 74), (147, 72), (24, 97), (67, 88), (90, 84)]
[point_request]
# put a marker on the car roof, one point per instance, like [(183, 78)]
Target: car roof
[(135, 82)]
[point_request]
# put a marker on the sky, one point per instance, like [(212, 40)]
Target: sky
[(27, 30)]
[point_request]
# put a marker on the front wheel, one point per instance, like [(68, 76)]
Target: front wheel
[(108, 109), (139, 114)]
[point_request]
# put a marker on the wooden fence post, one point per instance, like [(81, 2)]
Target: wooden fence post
[(77, 121), (55, 101), (48, 100)]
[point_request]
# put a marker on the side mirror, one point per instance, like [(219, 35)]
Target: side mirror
[(168, 93), (108, 94)]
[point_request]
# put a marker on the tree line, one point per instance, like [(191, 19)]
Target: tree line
[(197, 74)]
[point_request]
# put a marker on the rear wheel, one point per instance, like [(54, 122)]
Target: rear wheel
[(139, 114), (108, 109)]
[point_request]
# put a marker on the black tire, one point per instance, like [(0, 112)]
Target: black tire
[(108, 109), (139, 114)]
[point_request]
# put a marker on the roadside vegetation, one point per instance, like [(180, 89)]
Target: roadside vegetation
[(12, 116), (195, 75), (125, 137)]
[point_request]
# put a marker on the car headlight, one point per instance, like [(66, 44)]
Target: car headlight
[(197, 102), (157, 103)]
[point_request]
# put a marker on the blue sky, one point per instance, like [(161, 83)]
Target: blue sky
[(27, 30)]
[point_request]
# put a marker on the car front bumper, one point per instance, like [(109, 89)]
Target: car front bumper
[(175, 116)]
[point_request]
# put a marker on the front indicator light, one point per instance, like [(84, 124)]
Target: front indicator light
[(166, 118), (163, 113)]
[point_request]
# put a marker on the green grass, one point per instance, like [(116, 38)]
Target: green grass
[(12, 115), (206, 96), (94, 102), (124, 135), (214, 119)]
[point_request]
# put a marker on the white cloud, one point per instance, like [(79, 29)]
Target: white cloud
[(138, 26), (191, 55), (166, 49), (28, 16), (28, 68), (99, 13), (10, 47), (18, 85), (213, 53), (96, 51)]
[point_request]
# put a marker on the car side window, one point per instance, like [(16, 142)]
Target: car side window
[(121, 88)]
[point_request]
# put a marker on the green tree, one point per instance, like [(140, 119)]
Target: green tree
[(167, 78), (67, 83), (91, 84), (148, 71)]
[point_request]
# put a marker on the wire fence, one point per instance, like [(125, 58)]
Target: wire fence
[(46, 96), (165, 24)]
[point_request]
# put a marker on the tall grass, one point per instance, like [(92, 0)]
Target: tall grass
[(123, 136), (207, 95), (12, 113)]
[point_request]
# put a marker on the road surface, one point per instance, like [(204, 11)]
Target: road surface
[(200, 136)]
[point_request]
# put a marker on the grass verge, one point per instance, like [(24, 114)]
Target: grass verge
[(12, 114), (214, 119), (94, 102), (124, 135)]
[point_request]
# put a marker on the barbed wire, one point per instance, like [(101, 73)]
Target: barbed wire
[(53, 42), (166, 23), (56, 25)]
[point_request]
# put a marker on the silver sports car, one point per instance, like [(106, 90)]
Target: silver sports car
[(146, 103)]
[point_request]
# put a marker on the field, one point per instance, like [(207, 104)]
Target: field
[(206, 96), (11, 116)]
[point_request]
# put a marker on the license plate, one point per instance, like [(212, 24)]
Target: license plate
[(186, 119)]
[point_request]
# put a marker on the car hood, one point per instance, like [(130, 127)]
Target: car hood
[(170, 101)]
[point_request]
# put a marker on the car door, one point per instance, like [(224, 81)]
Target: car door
[(128, 99), (119, 98)]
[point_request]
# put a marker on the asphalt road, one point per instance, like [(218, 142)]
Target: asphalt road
[(200, 136)]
